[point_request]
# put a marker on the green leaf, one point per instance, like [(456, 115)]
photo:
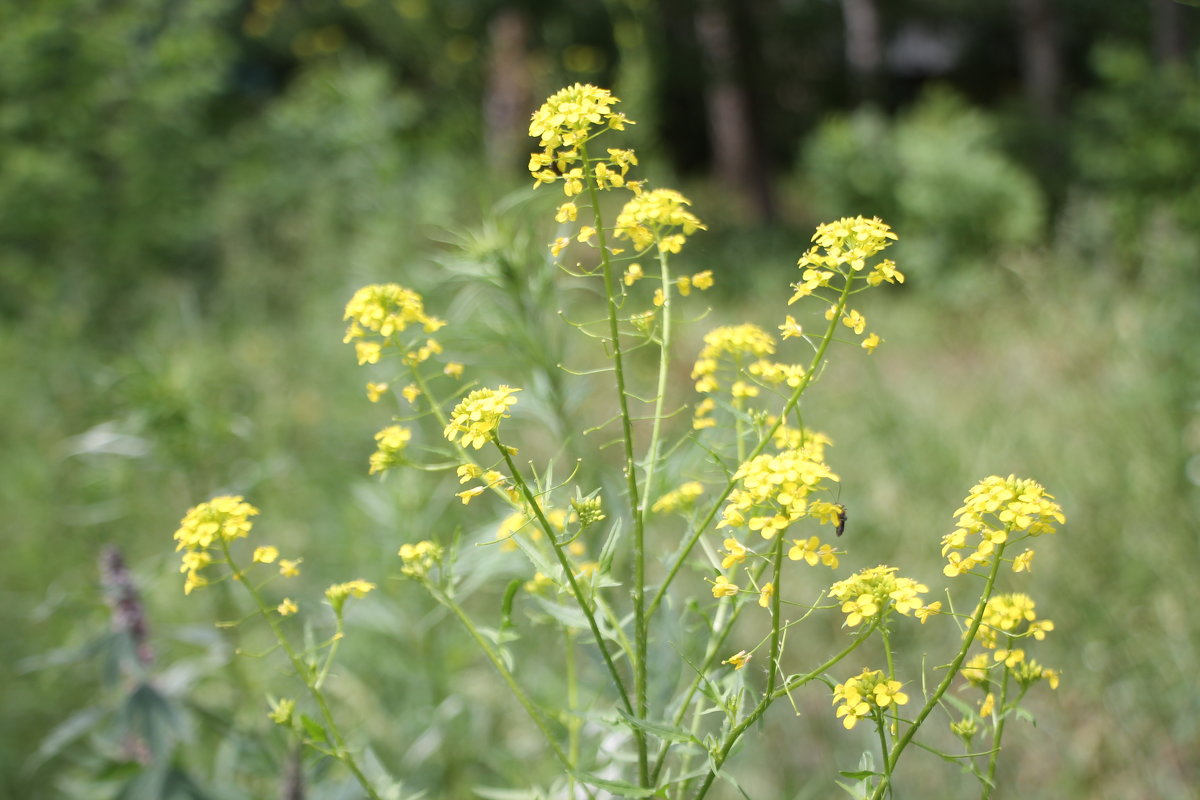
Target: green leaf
[(619, 788), (857, 775), (314, 729), (506, 607), (63, 734), (666, 733)]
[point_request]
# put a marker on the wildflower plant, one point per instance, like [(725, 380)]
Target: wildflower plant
[(720, 506)]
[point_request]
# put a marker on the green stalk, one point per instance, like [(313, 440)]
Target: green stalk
[(631, 481), (732, 737), (340, 752), (818, 357), (576, 590), (994, 758), (898, 747), (538, 719)]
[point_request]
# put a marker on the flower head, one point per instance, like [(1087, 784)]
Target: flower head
[(340, 592), (384, 309), (391, 442), (772, 491), (864, 694), (220, 520), (419, 558), (994, 512), (661, 216), (478, 415), (868, 593)]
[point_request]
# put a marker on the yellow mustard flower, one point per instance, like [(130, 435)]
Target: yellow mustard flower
[(265, 554), (738, 659), (391, 443), (287, 607), (477, 417), (723, 587)]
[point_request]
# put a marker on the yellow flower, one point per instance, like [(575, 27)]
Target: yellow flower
[(477, 417), (772, 491), (390, 445), (864, 694), (222, 519), (368, 352), (338, 593), (995, 511), (411, 393), (722, 587), (376, 391), (1023, 562), (386, 309), (453, 369), (790, 328), (419, 558), (470, 494), (735, 553), (738, 659), (633, 273), (703, 280), (567, 212), (287, 607), (765, 594), (659, 215), (873, 591), (289, 568), (988, 705), (925, 612), (265, 554), (871, 342), (811, 550)]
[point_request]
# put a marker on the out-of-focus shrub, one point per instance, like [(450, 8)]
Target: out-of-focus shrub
[(937, 170), (1136, 141)]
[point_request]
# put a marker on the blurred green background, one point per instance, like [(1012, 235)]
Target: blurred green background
[(189, 192)]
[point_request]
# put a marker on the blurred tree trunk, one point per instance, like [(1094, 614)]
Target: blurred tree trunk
[(508, 98), (1167, 19), (736, 147), (1040, 58), (864, 47)]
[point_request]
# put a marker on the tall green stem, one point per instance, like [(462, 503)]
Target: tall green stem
[(631, 481), (968, 639), (341, 751), (569, 574)]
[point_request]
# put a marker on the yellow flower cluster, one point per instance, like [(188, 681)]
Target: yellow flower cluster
[(737, 344), (652, 216), (864, 694), (772, 491), (385, 309), (222, 519), (391, 442), (1007, 618), (682, 498), (419, 558), (995, 510), (871, 592), (1012, 615), (477, 416), (339, 592), (567, 120)]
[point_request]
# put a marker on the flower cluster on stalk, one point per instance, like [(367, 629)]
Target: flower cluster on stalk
[(476, 418), (870, 593), (865, 694), (220, 520), (995, 512), (380, 311)]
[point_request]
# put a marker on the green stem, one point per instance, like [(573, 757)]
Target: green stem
[(968, 639), (341, 752), (640, 637), (818, 357), (718, 758), (490, 651), (994, 758), (568, 573)]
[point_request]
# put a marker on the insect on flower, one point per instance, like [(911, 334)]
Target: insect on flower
[(841, 519)]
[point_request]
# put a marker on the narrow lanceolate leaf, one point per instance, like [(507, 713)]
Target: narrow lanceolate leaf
[(666, 733)]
